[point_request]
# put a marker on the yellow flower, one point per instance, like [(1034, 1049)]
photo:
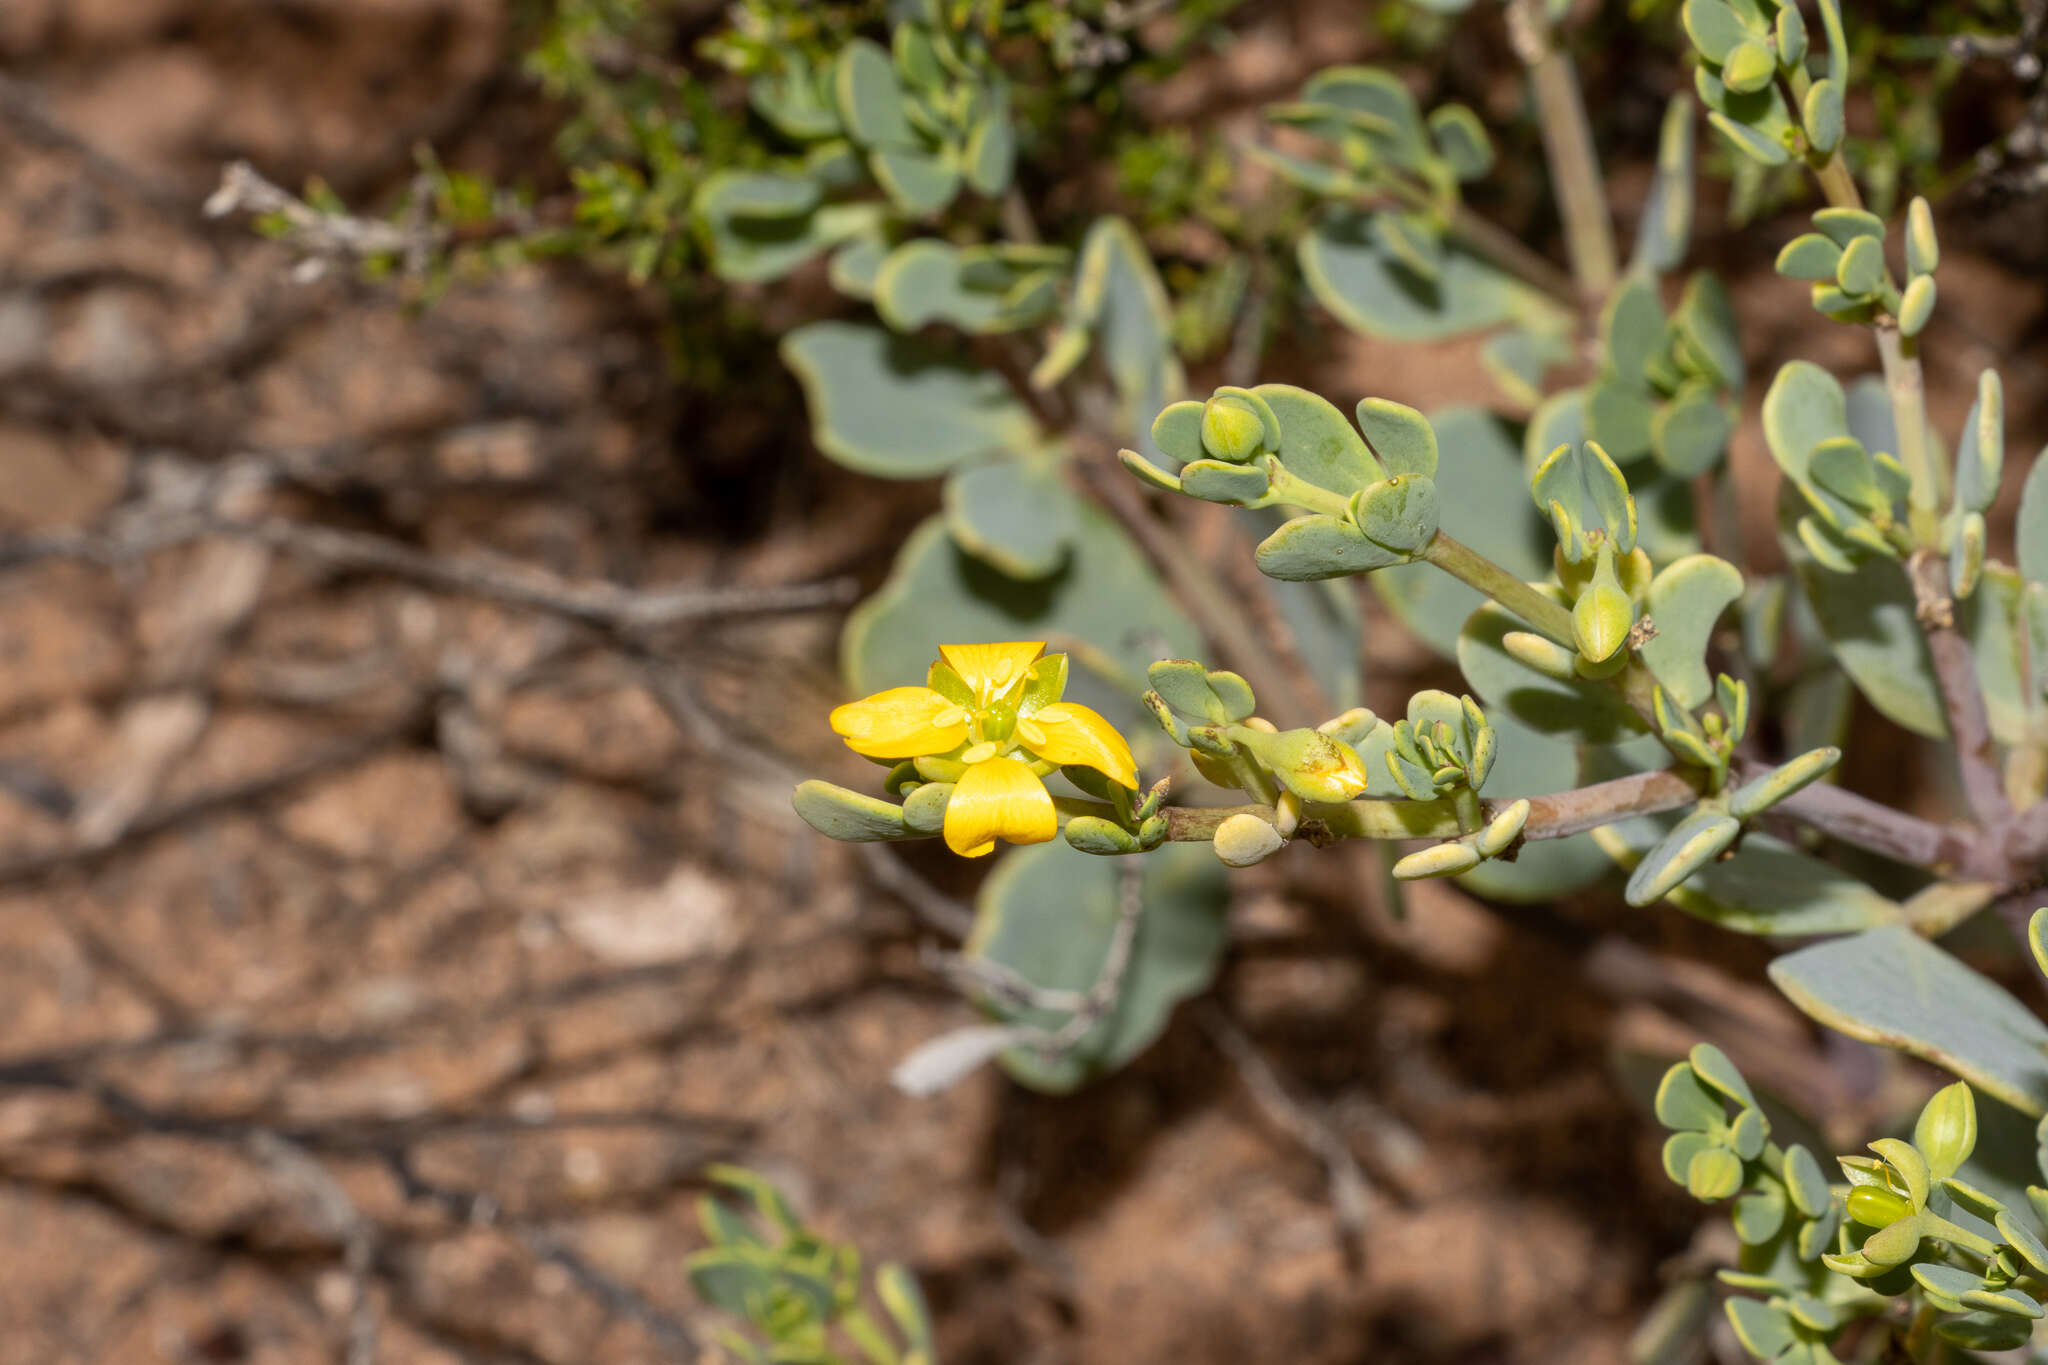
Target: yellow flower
[(993, 712)]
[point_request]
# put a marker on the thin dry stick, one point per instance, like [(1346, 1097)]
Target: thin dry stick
[(598, 603), (1102, 996), (937, 909), (1350, 1194)]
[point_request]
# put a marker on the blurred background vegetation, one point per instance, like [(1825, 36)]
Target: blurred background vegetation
[(400, 909)]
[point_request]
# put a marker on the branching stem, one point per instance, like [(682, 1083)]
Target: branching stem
[(1568, 146)]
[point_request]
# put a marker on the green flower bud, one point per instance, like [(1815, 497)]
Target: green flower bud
[(1947, 1131), (1244, 839), (1232, 429), (1875, 1206), (1603, 614)]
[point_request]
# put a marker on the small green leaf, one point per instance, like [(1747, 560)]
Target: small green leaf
[(1352, 274), (1761, 793), (1923, 249), (870, 100), (1763, 1331), (1399, 513), (1696, 841), (1985, 1331), (1685, 601), (1462, 141), (1690, 434), (1749, 67), (1665, 229), (1843, 226), (1399, 436), (1316, 443), (1016, 514), (1215, 481), (1806, 1182), (1809, 256), (1759, 1215), (1714, 1174), (920, 182), (1715, 29), (1713, 1067), (851, 816), (1313, 547), (1916, 305), (1861, 269), (860, 381), (1823, 115)]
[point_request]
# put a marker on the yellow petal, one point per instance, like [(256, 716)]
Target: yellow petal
[(989, 670), (1000, 798), (1074, 734), (903, 722)]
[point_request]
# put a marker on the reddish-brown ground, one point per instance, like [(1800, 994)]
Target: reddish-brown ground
[(358, 934)]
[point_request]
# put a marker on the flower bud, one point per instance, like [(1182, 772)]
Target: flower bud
[(1603, 614), (1947, 1131), (1875, 1206), (1232, 429), (1244, 839)]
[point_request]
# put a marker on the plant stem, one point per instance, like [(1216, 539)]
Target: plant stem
[(1955, 670), (1859, 821), (1468, 566), (1568, 146), (1904, 384), (1907, 389), (1558, 816), (1509, 252)]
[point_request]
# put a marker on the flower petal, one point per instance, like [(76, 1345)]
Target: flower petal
[(1000, 798), (1074, 734), (903, 722), (990, 670)]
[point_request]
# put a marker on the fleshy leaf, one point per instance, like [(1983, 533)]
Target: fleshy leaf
[(860, 382), (1685, 601), (1016, 514), (1891, 987)]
